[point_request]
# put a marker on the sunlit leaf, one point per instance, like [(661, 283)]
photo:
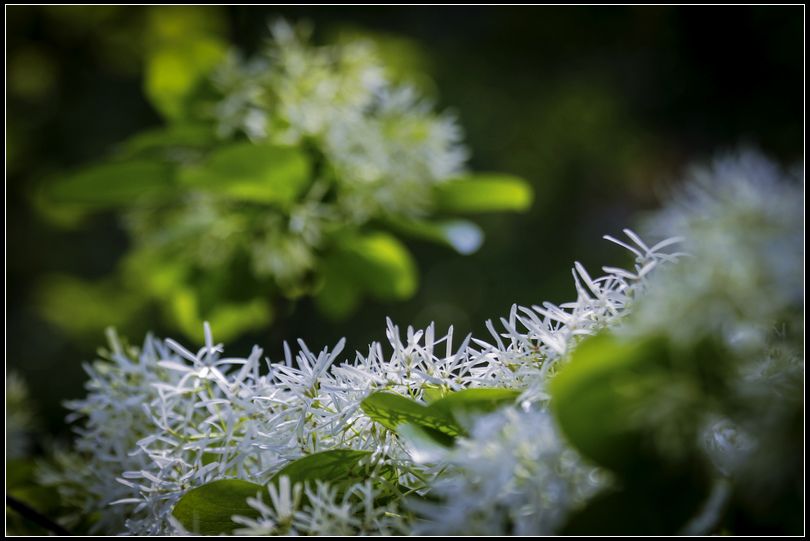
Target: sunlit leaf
[(249, 172), (176, 69), (486, 192), (377, 264), (392, 410), (208, 509), (381, 265), (334, 467), (84, 307), (473, 400), (113, 184), (150, 272), (433, 393), (229, 318)]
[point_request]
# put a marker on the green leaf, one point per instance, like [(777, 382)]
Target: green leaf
[(208, 509), (230, 318), (113, 184), (341, 468), (335, 467), (433, 393), (439, 419), (375, 263), (599, 392), (84, 307), (463, 236), (155, 142), (473, 400), (150, 272), (176, 70), (381, 265), (392, 410), (248, 172), (488, 192), (338, 296)]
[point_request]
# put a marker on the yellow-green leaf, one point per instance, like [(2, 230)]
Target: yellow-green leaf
[(176, 69), (113, 184), (381, 265), (392, 410), (249, 172), (480, 400), (485, 192)]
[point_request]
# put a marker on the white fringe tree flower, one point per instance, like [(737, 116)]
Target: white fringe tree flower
[(485, 437)]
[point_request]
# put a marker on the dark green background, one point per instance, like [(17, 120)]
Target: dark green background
[(598, 107)]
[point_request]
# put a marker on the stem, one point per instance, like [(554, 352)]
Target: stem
[(35, 516)]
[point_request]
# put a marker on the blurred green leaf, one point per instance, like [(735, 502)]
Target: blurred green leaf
[(463, 236), (374, 263), (21, 483), (484, 192), (84, 307), (176, 69), (113, 184), (149, 271), (208, 509), (338, 295), (229, 318), (382, 265), (156, 142), (249, 172), (592, 404)]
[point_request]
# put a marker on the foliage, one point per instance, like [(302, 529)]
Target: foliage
[(666, 399), (289, 174), (612, 414)]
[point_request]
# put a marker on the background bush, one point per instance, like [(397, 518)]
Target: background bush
[(597, 107)]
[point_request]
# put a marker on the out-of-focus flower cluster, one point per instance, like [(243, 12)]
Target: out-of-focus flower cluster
[(742, 219), (162, 422), (167, 420), (375, 149), (384, 141)]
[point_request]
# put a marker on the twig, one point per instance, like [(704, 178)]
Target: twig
[(32, 514)]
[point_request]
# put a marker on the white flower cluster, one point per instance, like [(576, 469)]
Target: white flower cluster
[(354, 513), (384, 141), (742, 219), (515, 475), (167, 420), (373, 149)]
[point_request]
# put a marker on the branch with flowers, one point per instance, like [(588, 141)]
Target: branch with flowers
[(667, 398), (660, 401)]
